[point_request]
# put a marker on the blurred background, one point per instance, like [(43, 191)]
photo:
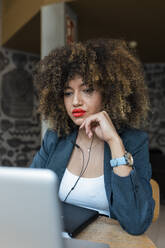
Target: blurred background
[(29, 30)]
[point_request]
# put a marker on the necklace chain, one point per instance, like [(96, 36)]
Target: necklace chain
[(90, 147)]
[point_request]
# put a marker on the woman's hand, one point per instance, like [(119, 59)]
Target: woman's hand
[(100, 124)]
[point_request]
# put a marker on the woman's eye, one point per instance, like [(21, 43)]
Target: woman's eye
[(89, 90), (67, 93)]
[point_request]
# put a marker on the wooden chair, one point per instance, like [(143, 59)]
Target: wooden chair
[(156, 196)]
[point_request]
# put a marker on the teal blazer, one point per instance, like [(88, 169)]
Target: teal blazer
[(130, 198)]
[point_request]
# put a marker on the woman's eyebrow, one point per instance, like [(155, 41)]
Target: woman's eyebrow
[(68, 87)]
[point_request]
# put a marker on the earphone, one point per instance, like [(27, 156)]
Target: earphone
[(82, 169)]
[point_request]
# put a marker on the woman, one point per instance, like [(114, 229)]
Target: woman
[(95, 98)]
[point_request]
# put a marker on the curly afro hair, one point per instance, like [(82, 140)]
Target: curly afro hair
[(106, 64)]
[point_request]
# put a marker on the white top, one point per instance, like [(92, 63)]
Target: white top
[(89, 192)]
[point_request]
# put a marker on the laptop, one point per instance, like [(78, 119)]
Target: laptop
[(30, 214)]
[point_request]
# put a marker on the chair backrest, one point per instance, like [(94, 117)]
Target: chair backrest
[(156, 196)]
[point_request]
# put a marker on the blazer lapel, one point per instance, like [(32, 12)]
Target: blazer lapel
[(60, 157), (107, 170)]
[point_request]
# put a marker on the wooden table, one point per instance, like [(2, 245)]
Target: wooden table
[(109, 231)]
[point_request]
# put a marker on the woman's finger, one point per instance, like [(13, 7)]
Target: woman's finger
[(91, 122), (87, 126), (82, 125)]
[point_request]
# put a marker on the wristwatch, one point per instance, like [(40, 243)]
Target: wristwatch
[(127, 159)]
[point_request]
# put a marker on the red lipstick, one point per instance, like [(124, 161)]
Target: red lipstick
[(78, 112)]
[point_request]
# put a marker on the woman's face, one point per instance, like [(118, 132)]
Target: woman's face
[(81, 101)]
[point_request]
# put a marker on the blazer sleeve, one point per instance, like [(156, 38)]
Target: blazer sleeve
[(131, 201), (48, 144)]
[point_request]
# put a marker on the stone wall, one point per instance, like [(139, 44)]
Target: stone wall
[(155, 77), (19, 121)]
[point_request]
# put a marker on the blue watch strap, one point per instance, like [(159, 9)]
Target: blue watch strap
[(118, 161)]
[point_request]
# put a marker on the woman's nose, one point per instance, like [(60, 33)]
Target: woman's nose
[(77, 100)]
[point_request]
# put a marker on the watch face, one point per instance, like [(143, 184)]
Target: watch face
[(129, 158)]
